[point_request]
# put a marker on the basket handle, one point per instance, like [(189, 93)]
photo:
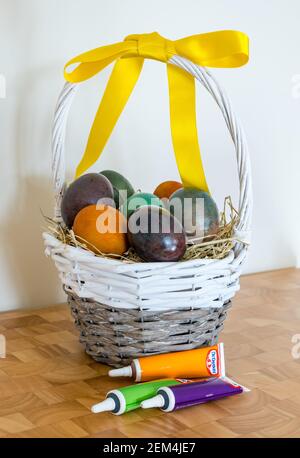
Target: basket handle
[(236, 132), (224, 48)]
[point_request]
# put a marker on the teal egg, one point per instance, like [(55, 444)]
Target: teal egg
[(197, 212), (121, 186), (140, 199)]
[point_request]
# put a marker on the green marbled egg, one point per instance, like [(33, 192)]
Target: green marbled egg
[(197, 212), (121, 186)]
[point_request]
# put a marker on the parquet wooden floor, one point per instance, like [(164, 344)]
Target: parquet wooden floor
[(48, 383)]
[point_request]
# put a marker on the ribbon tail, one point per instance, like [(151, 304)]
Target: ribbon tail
[(222, 49), (92, 62), (120, 85), (184, 128)]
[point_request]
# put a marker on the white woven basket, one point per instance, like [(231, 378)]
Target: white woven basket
[(124, 310)]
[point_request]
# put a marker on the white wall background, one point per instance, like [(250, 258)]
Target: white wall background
[(38, 36)]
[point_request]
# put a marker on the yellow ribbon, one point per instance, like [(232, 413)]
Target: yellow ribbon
[(221, 49)]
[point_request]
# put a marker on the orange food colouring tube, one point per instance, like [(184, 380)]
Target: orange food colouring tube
[(198, 363)]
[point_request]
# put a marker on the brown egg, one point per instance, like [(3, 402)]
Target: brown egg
[(86, 190)]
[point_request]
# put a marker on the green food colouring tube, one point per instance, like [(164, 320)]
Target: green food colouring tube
[(130, 397)]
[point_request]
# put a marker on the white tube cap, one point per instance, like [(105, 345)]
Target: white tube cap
[(122, 372), (105, 406), (156, 401)]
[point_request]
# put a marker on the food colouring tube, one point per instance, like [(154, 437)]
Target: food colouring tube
[(170, 398), (130, 397), (201, 362)]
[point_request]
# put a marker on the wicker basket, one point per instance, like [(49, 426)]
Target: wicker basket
[(124, 310)]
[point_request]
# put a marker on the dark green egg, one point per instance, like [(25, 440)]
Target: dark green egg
[(121, 186), (156, 235), (87, 190), (140, 199), (197, 212)]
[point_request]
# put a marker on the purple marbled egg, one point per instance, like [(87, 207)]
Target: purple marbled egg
[(156, 235)]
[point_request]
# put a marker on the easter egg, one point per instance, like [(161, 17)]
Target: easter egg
[(167, 188), (139, 199), (86, 190), (156, 235), (121, 186), (197, 212), (102, 228)]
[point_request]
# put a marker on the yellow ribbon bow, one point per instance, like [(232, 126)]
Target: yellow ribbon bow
[(221, 49)]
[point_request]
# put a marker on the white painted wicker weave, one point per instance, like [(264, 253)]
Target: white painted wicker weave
[(124, 310)]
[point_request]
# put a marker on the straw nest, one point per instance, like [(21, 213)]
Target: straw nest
[(216, 248)]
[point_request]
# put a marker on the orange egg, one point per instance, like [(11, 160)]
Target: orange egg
[(103, 228), (167, 188)]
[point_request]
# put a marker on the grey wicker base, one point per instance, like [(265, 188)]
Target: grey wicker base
[(115, 336)]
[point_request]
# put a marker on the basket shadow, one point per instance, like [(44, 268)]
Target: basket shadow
[(35, 280), (32, 279)]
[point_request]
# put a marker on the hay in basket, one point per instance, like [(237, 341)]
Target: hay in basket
[(216, 248)]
